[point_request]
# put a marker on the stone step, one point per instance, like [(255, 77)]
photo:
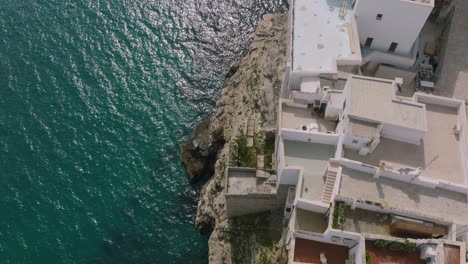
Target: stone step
[(262, 174), (260, 162), (250, 132), (270, 181)]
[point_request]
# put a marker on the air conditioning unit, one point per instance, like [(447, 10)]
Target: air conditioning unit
[(364, 151)]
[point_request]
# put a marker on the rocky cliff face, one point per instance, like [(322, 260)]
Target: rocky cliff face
[(251, 90), (199, 154)]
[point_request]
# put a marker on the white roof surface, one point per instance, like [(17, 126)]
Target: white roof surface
[(310, 84), (363, 129), (436, 203), (320, 36), (374, 99), (313, 158)]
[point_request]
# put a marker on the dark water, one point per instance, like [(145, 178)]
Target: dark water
[(96, 98)]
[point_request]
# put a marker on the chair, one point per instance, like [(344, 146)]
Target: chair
[(323, 259)]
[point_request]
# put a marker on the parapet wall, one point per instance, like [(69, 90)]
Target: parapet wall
[(461, 122), (411, 178), (312, 137), (391, 210)]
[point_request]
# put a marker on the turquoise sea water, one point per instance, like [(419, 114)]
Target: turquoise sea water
[(96, 98)]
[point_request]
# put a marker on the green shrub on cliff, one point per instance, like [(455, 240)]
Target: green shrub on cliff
[(241, 154)]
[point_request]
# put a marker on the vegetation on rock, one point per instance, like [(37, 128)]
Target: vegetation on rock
[(257, 237), (241, 154)]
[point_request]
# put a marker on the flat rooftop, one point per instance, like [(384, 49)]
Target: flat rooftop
[(314, 159), (308, 251), (451, 254), (383, 255), (243, 181), (310, 221), (374, 99), (437, 203), (363, 221), (363, 129), (320, 36), (296, 117), (438, 154), (409, 78)]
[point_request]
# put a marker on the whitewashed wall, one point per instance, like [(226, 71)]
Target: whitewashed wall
[(312, 137), (312, 206), (401, 22), (332, 112), (289, 176), (359, 251), (404, 134), (377, 57), (359, 166), (437, 100), (348, 142)]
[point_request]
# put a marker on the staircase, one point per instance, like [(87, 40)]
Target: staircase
[(261, 173), (330, 174)]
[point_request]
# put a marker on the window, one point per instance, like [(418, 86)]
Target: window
[(355, 141), (368, 42), (379, 17), (393, 47)]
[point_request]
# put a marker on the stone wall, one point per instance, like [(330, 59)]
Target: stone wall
[(238, 205)]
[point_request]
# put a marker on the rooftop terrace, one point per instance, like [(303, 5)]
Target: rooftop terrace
[(451, 254), (438, 155), (308, 251), (436, 203), (364, 221), (310, 221), (314, 159), (382, 255), (320, 36), (375, 100), (244, 181), (296, 117)]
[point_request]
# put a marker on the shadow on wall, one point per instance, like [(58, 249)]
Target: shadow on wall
[(454, 59)]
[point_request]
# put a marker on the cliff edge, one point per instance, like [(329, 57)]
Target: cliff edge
[(251, 91)]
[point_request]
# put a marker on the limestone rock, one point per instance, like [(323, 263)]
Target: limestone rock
[(251, 90), (199, 154)]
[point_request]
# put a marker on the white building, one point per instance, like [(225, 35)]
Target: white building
[(323, 38), (359, 162), (384, 150), (372, 111), (391, 25)]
